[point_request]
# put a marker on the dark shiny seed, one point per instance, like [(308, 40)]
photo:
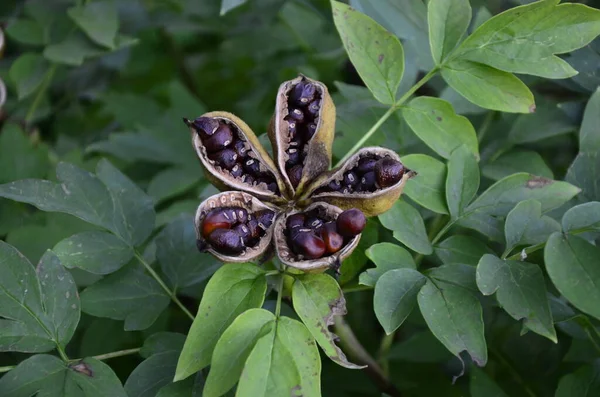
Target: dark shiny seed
[(351, 222), (251, 166), (237, 171), (308, 245), (238, 214), (226, 158), (226, 241), (314, 107), (350, 179), (366, 164), (218, 218), (294, 157), (255, 230), (333, 240), (311, 128), (388, 172), (314, 223), (272, 186), (295, 174), (222, 138), (334, 185), (367, 182), (240, 148), (295, 221), (297, 115), (244, 232), (303, 93), (264, 218), (205, 126)]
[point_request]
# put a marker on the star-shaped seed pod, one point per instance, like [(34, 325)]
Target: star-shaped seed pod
[(291, 204)]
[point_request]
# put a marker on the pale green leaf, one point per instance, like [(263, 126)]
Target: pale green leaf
[(428, 186), (589, 139), (26, 31), (408, 226), (99, 20), (517, 161), (448, 21), (386, 256), (582, 217), (228, 5), (462, 181)]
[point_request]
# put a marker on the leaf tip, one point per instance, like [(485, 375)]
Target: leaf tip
[(532, 108)]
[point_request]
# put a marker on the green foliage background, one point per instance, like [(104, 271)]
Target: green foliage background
[(490, 257)]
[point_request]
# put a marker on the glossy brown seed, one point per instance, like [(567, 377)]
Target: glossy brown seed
[(205, 126), (244, 232), (303, 93), (333, 240), (222, 138), (351, 222), (217, 218), (308, 245), (226, 241), (295, 174), (388, 172), (295, 221), (226, 158)]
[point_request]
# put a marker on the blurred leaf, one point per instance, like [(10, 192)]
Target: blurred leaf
[(461, 249), (520, 290), (73, 51), (525, 225), (448, 21), (228, 5), (234, 347), (395, 296), (517, 161), (386, 256), (547, 121), (573, 265), (127, 294), (462, 181), (284, 362), (233, 289), (172, 182), (585, 174), (433, 120), (481, 385), (99, 20), (376, 54), (408, 226), (454, 316), (36, 316), (28, 72), (162, 342), (428, 186), (26, 31), (589, 139), (422, 347), (583, 216), (95, 252), (488, 87), (21, 157), (524, 39), (317, 299), (584, 382)]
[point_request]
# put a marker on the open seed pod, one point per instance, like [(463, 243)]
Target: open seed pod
[(233, 158), (234, 226), (304, 241), (371, 180), (301, 131)]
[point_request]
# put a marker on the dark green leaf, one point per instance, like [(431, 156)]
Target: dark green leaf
[(462, 181), (525, 225), (481, 385), (547, 121), (102, 383), (234, 347), (162, 342), (428, 186), (20, 157), (128, 295), (172, 182), (517, 161), (585, 174), (488, 87), (73, 51), (228, 5), (408, 227), (152, 374), (99, 20), (233, 289), (454, 316), (28, 72), (461, 249), (421, 347), (448, 21), (434, 121), (386, 256), (317, 299), (95, 252), (484, 223), (454, 273), (395, 296), (584, 216), (520, 290), (573, 265), (284, 362), (584, 382), (376, 54), (589, 141), (26, 31)]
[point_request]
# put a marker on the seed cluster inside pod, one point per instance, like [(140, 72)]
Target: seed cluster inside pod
[(371, 173), (315, 234), (230, 230), (304, 105), (226, 147)]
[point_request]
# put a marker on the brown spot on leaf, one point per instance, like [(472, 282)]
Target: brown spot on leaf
[(532, 108), (438, 118), (296, 391), (82, 368), (537, 182)]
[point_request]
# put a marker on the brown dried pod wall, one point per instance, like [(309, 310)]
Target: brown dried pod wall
[(312, 218)]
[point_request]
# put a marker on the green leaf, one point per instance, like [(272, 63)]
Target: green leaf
[(178, 255), (520, 290), (547, 121), (172, 182), (49, 376), (434, 121), (462, 181), (28, 72), (583, 216), (488, 87), (386, 256), (99, 20), (26, 31), (128, 295), (234, 347), (232, 290), (525, 225), (503, 195), (584, 382), (585, 173), (461, 249), (284, 362), (524, 39), (35, 316), (21, 157), (457, 274), (228, 5), (95, 252), (517, 161), (352, 265), (573, 265), (484, 223), (152, 374), (427, 187), (408, 226), (395, 297), (421, 347), (454, 316), (162, 342), (589, 139), (448, 21), (376, 54), (317, 299), (72, 51), (481, 385)]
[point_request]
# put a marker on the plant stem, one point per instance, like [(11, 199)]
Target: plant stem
[(61, 353), (164, 286), (356, 288), (40, 95), (7, 368), (387, 114), (110, 355), (442, 232), (358, 354), (279, 296), (384, 348), (515, 374)]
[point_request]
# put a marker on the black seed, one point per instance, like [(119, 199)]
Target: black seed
[(264, 218), (205, 126), (251, 166), (244, 232), (295, 221), (222, 138), (226, 158), (294, 157), (350, 179), (249, 179), (295, 175), (366, 164), (237, 171), (367, 182), (297, 115), (334, 185), (310, 131), (241, 148), (303, 93), (314, 107), (226, 241), (314, 223), (255, 230)]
